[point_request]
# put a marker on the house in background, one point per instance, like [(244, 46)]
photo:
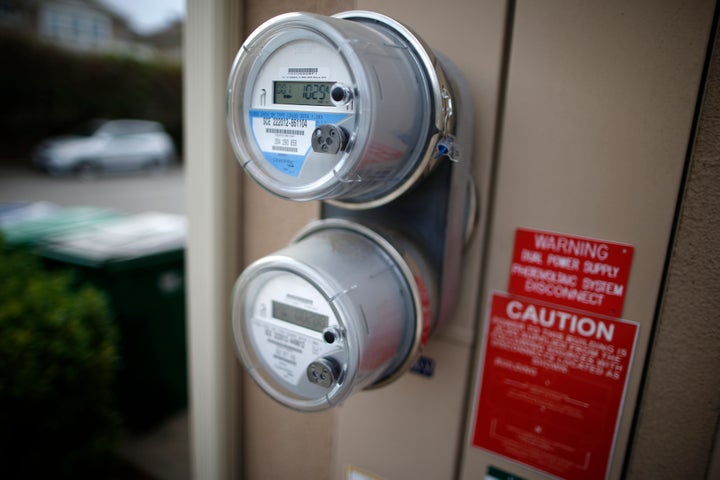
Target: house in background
[(167, 43), (88, 26), (81, 25)]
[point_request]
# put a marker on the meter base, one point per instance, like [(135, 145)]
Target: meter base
[(437, 215)]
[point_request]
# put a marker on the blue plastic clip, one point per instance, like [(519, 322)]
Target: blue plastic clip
[(446, 147)]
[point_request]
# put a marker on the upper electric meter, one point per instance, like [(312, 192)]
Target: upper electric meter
[(339, 310), (347, 108)]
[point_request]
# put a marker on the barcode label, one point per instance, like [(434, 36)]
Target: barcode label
[(285, 131), (279, 148), (302, 71)]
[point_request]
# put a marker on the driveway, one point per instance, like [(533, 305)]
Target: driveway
[(161, 191)]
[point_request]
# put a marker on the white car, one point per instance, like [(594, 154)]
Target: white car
[(107, 145)]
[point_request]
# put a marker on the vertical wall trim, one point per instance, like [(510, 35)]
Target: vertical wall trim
[(678, 412), (714, 467), (673, 239), (495, 159), (211, 33)]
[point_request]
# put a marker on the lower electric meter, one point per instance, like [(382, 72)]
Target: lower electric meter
[(347, 108), (339, 310)]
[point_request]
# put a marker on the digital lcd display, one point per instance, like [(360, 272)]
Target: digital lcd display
[(299, 316), (303, 93)]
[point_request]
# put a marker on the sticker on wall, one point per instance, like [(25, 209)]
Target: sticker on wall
[(424, 366), (575, 272), (494, 473), (354, 473), (552, 385)]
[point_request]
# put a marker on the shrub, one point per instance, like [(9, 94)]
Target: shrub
[(57, 367)]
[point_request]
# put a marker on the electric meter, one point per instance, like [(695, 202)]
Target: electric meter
[(352, 108), (340, 309)]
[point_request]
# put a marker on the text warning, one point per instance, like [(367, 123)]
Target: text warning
[(575, 272)]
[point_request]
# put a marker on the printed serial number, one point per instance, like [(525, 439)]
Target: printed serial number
[(285, 122), (284, 131)]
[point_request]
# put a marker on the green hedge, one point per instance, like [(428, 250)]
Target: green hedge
[(58, 361), (47, 91)]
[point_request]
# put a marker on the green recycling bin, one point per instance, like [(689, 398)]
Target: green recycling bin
[(138, 261), (31, 224)]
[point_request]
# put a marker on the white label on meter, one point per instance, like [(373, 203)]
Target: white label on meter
[(288, 353), (285, 137), (288, 320), (304, 73)]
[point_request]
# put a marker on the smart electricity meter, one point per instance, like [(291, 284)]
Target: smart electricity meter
[(352, 108), (341, 309)]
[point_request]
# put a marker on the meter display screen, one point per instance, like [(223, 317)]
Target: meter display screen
[(303, 93), (299, 316)]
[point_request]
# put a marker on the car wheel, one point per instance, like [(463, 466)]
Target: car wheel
[(155, 166), (87, 169)]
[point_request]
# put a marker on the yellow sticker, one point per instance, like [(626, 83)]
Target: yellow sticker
[(354, 473)]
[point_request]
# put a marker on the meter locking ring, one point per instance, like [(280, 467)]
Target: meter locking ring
[(329, 138)]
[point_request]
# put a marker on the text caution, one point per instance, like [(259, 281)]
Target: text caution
[(552, 385)]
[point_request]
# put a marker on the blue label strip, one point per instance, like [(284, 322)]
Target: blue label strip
[(289, 163)]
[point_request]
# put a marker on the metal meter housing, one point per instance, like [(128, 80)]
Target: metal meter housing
[(338, 310), (356, 111), (347, 109)]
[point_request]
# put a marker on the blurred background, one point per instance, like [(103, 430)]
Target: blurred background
[(93, 378), (73, 61)]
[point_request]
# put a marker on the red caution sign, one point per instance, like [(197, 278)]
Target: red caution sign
[(576, 272), (553, 381)]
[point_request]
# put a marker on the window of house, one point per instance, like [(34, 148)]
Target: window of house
[(76, 27)]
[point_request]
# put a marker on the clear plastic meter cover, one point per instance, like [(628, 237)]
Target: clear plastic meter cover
[(331, 108), (333, 313)]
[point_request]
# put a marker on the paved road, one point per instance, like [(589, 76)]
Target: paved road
[(129, 193)]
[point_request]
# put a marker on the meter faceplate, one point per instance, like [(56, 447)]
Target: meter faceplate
[(369, 80), (288, 318)]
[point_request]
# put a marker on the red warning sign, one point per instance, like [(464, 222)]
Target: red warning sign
[(576, 272), (553, 381)]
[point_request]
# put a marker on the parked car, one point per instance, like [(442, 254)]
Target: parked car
[(107, 145)]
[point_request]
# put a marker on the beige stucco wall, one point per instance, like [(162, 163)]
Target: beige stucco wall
[(680, 406)]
